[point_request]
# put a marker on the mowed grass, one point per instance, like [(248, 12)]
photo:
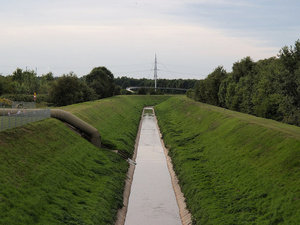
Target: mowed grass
[(233, 168), (50, 175), (116, 118)]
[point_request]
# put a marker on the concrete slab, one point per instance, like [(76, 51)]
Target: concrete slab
[(152, 199)]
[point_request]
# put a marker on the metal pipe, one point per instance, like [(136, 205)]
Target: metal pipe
[(90, 131)]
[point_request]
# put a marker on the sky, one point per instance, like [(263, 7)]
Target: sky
[(189, 37)]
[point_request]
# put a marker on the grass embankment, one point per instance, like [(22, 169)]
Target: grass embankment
[(49, 175), (233, 168), (116, 118)]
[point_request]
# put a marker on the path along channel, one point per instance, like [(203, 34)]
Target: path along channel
[(152, 199)]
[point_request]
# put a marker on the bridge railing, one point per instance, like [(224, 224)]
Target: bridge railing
[(15, 118), (159, 88)]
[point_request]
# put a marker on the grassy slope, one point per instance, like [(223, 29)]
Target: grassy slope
[(116, 118), (49, 175), (233, 168)]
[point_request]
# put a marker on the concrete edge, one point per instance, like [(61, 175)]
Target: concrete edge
[(185, 215), (121, 215)]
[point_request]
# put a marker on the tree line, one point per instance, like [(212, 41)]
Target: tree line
[(268, 88), (69, 89), (124, 82), (59, 91)]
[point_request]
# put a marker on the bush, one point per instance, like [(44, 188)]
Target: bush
[(25, 98), (142, 91), (117, 90), (125, 92), (68, 90), (5, 102), (101, 80), (190, 93), (152, 91)]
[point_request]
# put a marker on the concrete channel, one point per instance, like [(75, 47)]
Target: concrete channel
[(153, 194)]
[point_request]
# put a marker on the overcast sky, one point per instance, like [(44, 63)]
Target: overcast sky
[(190, 37)]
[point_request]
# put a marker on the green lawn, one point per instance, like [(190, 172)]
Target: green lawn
[(233, 168)]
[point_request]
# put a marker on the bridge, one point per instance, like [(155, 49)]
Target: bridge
[(130, 89)]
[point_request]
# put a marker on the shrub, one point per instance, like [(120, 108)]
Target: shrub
[(142, 91), (125, 92), (25, 98), (68, 90), (5, 102)]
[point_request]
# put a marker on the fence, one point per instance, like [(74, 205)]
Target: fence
[(24, 105), (12, 118)]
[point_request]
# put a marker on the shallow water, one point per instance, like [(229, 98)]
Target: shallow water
[(152, 199)]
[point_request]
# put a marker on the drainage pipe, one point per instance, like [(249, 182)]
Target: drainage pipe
[(90, 131)]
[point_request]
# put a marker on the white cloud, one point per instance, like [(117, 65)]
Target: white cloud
[(69, 35), (188, 48)]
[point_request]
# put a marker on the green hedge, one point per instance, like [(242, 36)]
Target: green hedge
[(25, 98)]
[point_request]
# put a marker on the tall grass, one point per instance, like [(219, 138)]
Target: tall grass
[(50, 175), (233, 168)]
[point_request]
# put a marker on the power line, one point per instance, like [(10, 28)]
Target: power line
[(137, 71), (152, 65), (184, 73), (193, 74), (154, 68), (167, 70)]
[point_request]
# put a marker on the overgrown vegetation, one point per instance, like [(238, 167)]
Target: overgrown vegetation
[(50, 175), (269, 88), (233, 168)]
